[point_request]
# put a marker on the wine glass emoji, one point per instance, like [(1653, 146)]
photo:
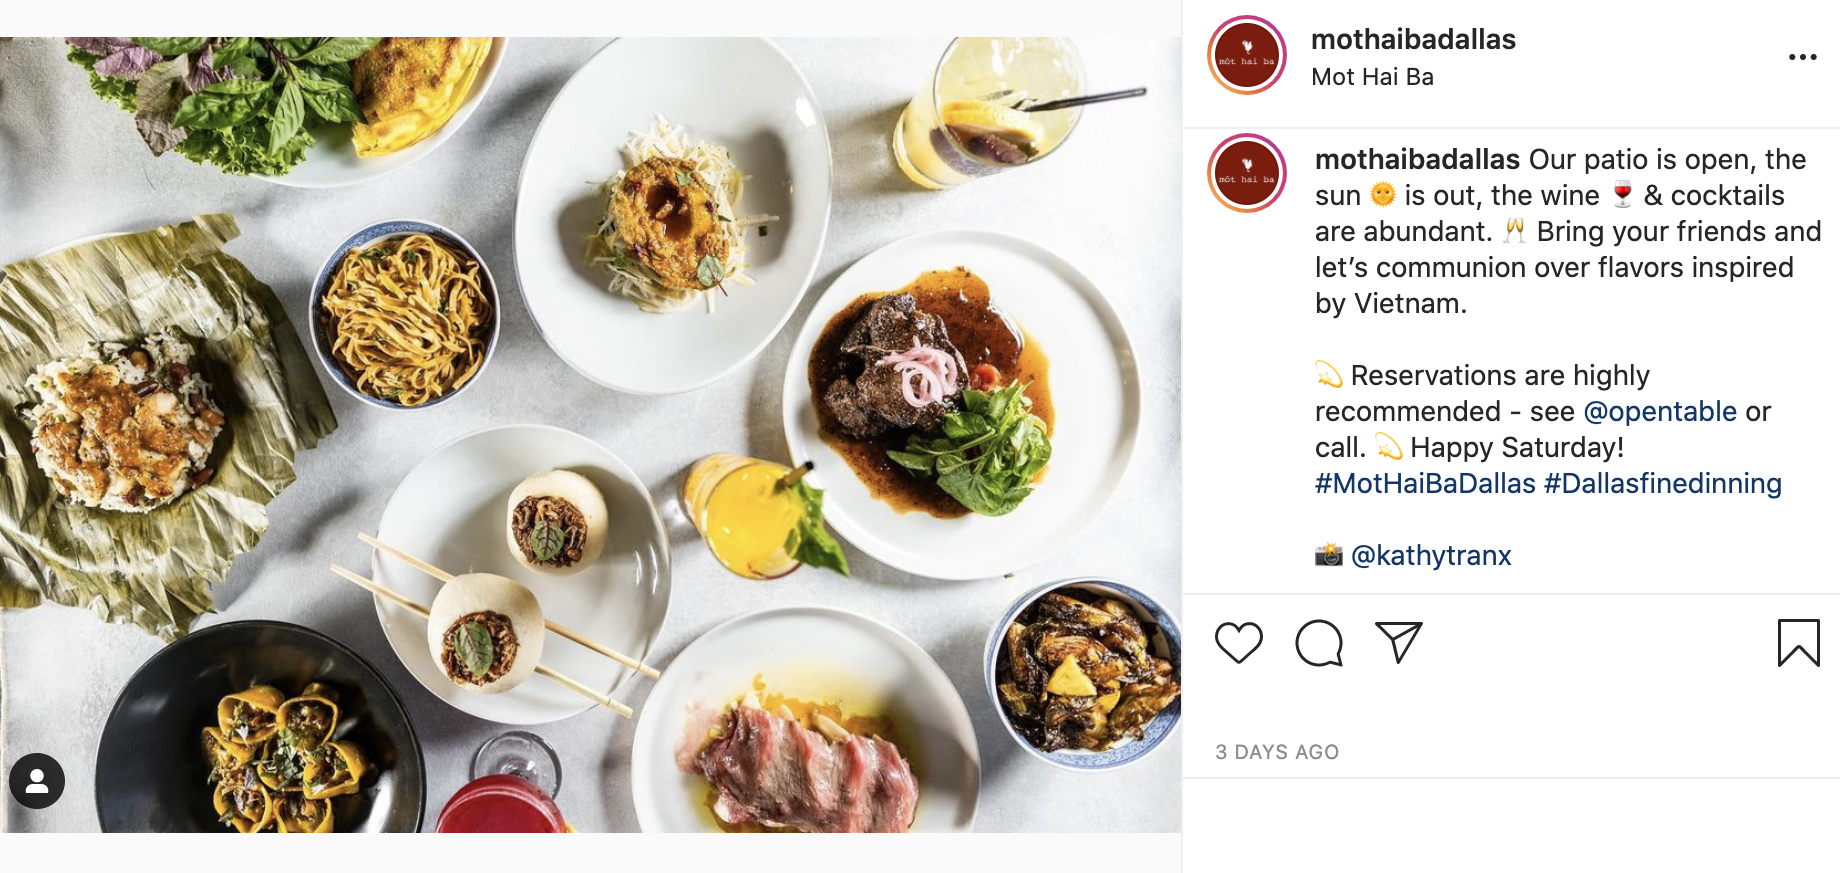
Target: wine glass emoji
[(1508, 237), (1520, 227), (1622, 193)]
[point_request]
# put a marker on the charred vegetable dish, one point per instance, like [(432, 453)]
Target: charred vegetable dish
[(274, 762), (1079, 671)]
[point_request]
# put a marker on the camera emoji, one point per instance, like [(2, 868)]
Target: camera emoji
[(1328, 556)]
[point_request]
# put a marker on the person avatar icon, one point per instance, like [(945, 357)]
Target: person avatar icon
[(36, 780)]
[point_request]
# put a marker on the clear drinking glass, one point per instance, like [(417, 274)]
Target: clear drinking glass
[(521, 754), (965, 122), (745, 515), (515, 778)]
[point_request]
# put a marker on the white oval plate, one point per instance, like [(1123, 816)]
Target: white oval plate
[(1092, 373), (450, 512), (814, 653), (740, 93), (333, 163)]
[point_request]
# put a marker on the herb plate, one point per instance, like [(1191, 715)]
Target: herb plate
[(1092, 373), (740, 93), (450, 511), (333, 163)]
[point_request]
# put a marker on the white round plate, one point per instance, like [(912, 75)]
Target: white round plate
[(332, 163), (740, 93), (1092, 373), (450, 512), (812, 653)]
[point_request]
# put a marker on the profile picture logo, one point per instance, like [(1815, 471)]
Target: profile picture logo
[(1246, 172), (1247, 54)]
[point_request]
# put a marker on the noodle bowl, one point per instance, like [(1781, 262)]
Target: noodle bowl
[(407, 319)]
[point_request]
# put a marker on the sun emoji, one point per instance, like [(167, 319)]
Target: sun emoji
[(1383, 193)]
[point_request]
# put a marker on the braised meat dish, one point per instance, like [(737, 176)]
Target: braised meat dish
[(878, 397), (1077, 671)]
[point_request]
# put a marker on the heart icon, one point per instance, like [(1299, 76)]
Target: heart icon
[(1239, 641)]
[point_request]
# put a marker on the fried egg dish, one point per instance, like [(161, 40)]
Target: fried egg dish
[(408, 87)]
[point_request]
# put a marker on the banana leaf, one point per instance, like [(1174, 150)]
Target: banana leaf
[(155, 570)]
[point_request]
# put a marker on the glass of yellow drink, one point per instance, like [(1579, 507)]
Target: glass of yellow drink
[(744, 513), (964, 123)]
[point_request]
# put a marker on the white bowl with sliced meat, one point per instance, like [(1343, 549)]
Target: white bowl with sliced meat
[(805, 719)]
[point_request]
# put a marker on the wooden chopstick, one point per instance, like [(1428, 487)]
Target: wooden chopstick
[(559, 630), (542, 670)]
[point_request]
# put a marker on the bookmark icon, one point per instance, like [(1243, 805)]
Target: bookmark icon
[(1798, 636), (1400, 634)]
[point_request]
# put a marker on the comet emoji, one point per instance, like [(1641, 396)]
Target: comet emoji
[(1328, 375)]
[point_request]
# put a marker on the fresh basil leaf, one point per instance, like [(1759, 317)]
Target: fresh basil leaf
[(170, 45), (244, 67), (338, 50), (214, 111), (809, 542), (314, 84), (290, 113), (709, 271), (231, 49), (684, 178), (340, 73), (333, 103), (293, 46), (238, 87)]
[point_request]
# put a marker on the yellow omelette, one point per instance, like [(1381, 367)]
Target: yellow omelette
[(409, 86)]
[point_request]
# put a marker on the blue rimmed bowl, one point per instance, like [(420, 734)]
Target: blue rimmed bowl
[(1165, 637), (371, 235)]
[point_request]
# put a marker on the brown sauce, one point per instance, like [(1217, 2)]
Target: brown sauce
[(666, 203), (118, 425), (980, 331)]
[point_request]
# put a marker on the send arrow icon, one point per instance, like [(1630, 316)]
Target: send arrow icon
[(1400, 634)]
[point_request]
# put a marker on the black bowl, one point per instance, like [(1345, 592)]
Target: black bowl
[(150, 772)]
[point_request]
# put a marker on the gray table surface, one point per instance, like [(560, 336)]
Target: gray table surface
[(71, 166)]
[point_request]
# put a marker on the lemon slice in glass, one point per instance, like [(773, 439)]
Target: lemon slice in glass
[(975, 118)]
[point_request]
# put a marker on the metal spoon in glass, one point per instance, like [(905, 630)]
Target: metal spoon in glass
[(1030, 104)]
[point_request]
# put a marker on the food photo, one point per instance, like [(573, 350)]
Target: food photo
[(584, 435)]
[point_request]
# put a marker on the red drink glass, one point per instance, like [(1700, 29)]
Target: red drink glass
[(1622, 193), (500, 805)]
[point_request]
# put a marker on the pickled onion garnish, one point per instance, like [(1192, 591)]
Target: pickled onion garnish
[(927, 374)]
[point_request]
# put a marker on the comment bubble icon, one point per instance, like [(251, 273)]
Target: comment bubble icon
[(1319, 644)]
